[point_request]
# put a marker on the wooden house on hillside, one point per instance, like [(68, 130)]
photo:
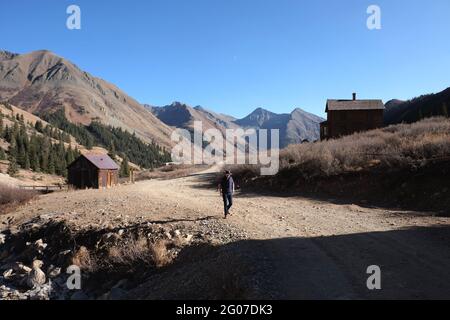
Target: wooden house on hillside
[(345, 117), (93, 171)]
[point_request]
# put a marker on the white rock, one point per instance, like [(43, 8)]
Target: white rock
[(36, 277), (8, 274), (2, 239)]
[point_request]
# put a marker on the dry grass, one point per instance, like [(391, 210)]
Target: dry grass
[(396, 147), (171, 172), (83, 259), (399, 146), (10, 196), (140, 250)]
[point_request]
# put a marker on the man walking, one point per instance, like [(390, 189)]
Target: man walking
[(226, 188)]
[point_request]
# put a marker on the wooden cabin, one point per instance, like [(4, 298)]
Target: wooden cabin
[(345, 117), (94, 171)]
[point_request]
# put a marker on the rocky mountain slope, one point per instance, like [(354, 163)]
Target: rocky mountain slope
[(425, 106), (294, 127), (181, 115), (42, 82)]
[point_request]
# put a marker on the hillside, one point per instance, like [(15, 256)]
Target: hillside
[(41, 82), (30, 145), (413, 110)]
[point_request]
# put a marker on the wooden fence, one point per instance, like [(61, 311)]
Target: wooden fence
[(46, 188)]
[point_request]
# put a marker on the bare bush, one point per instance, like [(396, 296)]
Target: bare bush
[(11, 195), (140, 250), (83, 259), (160, 255)]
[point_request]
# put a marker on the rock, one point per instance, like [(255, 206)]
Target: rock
[(36, 278), (20, 268), (2, 239), (8, 274), (177, 233), (120, 232), (188, 238), (53, 272)]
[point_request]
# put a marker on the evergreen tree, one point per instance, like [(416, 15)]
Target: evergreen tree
[(12, 167), (124, 168), (39, 126), (27, 162), (1, 125), (112, 150), (2, 154)]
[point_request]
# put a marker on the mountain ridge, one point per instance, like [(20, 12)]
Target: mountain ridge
[(41, 81)]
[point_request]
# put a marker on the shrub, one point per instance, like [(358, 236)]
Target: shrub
[(11, 195)]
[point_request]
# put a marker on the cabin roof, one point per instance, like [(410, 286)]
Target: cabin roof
[(101, 161), (341, 105)]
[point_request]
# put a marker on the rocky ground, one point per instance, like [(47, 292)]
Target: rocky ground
[(166, 239)]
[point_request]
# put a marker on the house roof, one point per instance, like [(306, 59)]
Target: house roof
[(340, 105), (101, 161)]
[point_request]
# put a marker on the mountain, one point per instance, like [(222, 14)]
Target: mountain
[(41, 82), (181, 115), (425, 106), (294, 127)]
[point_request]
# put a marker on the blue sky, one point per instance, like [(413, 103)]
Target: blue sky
[(235, 55)]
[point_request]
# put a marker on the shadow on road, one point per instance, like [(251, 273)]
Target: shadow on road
[(414, 265)]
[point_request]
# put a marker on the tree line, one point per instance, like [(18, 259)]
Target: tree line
[(119, 142), (45, 152)]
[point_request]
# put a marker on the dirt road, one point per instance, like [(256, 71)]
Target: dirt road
[(316, 249)]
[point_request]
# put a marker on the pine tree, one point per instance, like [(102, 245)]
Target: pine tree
[(1, 125), (51, 164), (27, 162), (112, 151), (2, 154), (124, 168), (39, 126), (12, 167)]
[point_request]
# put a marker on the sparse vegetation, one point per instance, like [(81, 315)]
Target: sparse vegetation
[(172, 171), (10, 196)]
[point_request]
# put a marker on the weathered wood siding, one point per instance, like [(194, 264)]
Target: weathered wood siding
[(346, 122)]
